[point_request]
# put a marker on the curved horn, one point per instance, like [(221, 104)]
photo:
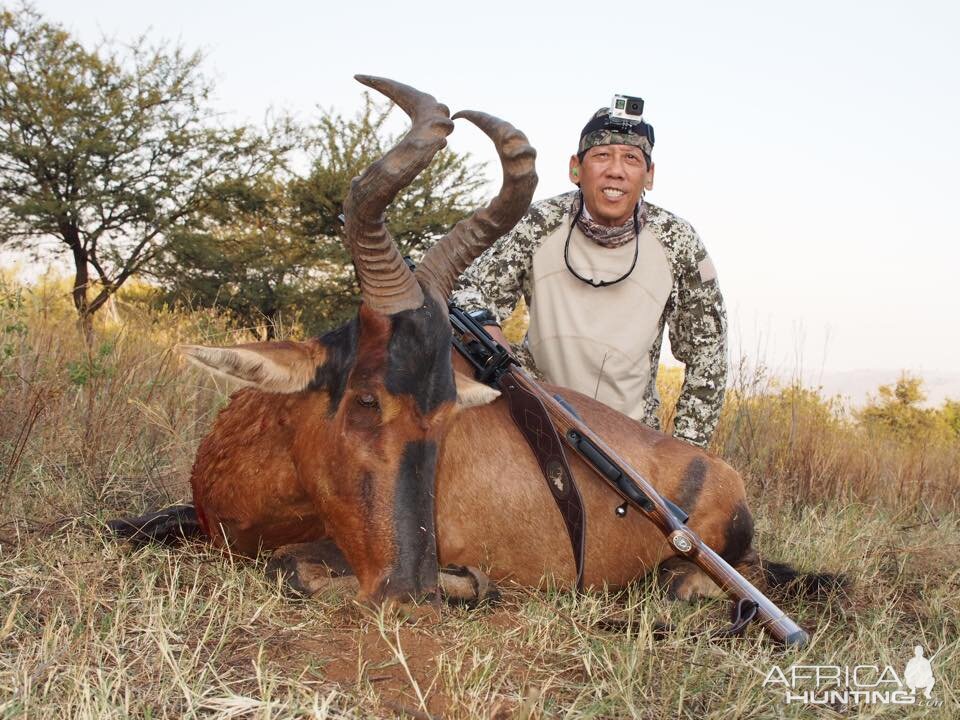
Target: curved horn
[(444, 262), (387, 284)]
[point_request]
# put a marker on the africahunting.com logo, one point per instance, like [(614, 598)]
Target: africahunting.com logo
[(857, 684)]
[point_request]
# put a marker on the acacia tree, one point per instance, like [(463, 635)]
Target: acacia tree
[(247, 257), (108, 150), (273, 247)]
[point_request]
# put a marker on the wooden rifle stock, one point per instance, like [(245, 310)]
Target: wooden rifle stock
[(495, 365)]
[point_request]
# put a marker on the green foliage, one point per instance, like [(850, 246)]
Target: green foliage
[(12, 320), (115, 152), (951, 415), (93, 366), (247, 258), (897, 413), (270, 249), (108, 149), (440, 196)]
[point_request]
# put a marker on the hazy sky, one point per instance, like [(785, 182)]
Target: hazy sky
[(814, 146)]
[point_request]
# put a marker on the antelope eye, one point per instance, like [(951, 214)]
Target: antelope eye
[(367, 400)]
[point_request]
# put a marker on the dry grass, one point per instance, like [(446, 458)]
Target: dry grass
[(797, 446), (89, 628)]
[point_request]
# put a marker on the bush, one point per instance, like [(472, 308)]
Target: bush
[(795, 446), (897, 414)]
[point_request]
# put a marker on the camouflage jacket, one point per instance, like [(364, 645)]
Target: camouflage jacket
[(694, 312)]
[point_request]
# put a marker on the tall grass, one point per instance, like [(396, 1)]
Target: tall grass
[(91, 628), (793, 445), (91, 428)]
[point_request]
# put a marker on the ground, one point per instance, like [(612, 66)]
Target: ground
[(94, 628)]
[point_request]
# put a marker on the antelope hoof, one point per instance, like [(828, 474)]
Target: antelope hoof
[(685, 581), (303, 576), (468, 586)]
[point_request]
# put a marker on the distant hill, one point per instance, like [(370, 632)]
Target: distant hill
[(857, 385)]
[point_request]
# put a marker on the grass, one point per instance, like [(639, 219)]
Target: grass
[(91, 628)]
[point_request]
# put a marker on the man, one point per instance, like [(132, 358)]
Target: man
[(603, 271)]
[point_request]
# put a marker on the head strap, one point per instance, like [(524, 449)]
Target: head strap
[(605, 130)]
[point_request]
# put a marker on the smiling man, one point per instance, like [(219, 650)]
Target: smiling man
[(603, 271)]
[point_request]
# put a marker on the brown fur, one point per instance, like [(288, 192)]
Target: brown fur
[(267, 476), (280, 468), (507, 520), (247, 487)]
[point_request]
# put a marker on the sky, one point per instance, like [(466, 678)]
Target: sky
[(814, 146)]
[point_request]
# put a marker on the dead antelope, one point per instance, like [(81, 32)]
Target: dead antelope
[(366, 442)]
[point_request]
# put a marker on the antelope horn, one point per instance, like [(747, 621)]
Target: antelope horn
[(444, 262), (386, 283)]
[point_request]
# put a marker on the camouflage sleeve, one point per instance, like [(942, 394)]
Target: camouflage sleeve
[(498, 278), (697, 321)]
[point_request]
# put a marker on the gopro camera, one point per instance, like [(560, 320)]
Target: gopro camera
[(626, 107)]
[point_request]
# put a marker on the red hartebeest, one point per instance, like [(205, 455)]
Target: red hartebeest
[(357, 438)]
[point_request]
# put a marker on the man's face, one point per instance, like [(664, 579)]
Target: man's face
[(612, 178)]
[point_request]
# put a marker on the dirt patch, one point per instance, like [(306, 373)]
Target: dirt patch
[(397, 662), (414, 666)]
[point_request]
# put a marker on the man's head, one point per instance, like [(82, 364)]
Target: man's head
[(613, 166)]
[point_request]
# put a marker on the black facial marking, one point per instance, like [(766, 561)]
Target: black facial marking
[(418, 356), (415, 566), (691, 484), (332, 376), (738, 535)]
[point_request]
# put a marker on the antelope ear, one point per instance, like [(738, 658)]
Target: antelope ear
[(280, 367), (471, 393)]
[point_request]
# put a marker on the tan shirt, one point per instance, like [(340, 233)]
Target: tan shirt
[(610, 326), (597, 340)]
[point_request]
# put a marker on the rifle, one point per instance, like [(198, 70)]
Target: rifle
[(496, 366)]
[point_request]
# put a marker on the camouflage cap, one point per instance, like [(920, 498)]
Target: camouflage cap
[(604, 130)]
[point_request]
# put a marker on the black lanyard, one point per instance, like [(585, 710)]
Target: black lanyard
[(603, 283)]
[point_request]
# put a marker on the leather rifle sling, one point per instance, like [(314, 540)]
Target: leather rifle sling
[(532, 419)]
